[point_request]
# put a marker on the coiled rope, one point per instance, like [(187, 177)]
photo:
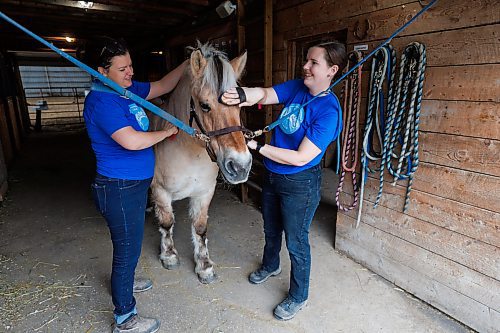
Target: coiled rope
[(374, 120), (351, 103), (403, 119)]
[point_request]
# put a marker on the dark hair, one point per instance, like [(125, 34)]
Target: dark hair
[(335, 54), (110, 49)]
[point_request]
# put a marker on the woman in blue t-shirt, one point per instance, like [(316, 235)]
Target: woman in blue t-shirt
[(118, 131), (291, 184)]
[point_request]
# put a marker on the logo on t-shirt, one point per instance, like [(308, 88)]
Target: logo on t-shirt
[(292, 122), (140, 116)]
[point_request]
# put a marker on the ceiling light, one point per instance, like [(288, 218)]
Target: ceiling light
[(85, 4)]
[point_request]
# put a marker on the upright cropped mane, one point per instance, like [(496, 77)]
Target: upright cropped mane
[(219, 75)]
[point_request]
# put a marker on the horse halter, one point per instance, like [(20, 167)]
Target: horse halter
[(207, 135)]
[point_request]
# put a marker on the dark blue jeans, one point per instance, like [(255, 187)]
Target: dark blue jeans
[(288, 204), (122, 203)]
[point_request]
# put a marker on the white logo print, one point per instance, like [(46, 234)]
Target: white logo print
[(292, 123), (140, 116)]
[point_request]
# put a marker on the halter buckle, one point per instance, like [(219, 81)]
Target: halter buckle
[(203, 137)]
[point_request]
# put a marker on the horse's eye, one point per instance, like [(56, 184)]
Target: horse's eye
[(205, 107)]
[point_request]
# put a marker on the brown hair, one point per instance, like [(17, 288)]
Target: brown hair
[(111, 48), (335, 54)]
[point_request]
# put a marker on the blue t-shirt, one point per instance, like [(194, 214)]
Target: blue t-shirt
[(320, 121), (104, 114)]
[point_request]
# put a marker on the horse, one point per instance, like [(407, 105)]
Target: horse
[(185, 165)]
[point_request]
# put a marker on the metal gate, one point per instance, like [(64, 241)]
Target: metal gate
[(54, 95)]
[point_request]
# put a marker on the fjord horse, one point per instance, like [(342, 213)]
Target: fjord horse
[(184, 168)]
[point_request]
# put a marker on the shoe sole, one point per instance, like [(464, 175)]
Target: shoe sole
[(136, 291), (276, 272), (289, 317)]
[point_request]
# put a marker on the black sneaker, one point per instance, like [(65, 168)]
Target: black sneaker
[(261, 275), (287, 309), (138, 324)]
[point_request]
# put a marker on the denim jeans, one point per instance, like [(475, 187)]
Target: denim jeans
[(122, 203), (288, 204)]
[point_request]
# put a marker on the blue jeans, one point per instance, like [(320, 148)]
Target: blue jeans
[(288, 204), (122, 203)]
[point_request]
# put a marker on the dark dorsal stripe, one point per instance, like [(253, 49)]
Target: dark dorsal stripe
[(220, 71)]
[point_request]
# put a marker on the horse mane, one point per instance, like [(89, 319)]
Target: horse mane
[(219, 75)]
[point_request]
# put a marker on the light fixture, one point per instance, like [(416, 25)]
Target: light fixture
[(69, 39), (225, 9), (85, 4)]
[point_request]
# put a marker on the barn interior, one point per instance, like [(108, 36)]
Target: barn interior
[(433, 267)]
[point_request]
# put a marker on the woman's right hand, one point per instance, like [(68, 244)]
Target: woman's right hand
[(170, 130)]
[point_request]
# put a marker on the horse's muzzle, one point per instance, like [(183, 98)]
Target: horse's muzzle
[(236, 168)]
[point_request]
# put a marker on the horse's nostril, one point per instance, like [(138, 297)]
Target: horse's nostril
[(231, 168)]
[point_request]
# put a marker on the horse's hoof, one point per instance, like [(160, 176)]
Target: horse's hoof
[(207, 279), (170, 264)]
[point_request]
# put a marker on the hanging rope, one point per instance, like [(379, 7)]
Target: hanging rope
[(403, 120), (374, 115), (351, 104)]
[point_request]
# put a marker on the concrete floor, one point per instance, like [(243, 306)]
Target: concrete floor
[(55, 258)]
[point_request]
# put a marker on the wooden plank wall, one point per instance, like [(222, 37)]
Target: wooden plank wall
[(445, 250), (13, 115)]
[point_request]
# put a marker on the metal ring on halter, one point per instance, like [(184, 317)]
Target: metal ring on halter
[(201, 136)]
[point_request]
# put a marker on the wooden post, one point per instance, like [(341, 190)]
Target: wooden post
[(240, 7), (268, 59)]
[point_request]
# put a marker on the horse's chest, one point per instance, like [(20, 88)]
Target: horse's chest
[(186, 176)]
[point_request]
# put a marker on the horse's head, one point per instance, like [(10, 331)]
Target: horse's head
[(212, 74)]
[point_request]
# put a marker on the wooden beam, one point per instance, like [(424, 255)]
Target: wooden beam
[(115, 6), (268, 58)]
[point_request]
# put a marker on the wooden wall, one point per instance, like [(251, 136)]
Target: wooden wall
[(445, 250), (13, 117)]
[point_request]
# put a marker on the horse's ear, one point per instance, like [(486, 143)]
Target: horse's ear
[(198, 63), (238, 64)]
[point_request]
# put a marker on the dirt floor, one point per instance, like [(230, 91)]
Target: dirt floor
[(55, 259)]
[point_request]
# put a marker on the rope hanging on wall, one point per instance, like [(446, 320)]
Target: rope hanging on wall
[(403, 117), (351, 96), (398, 141), (382, 68)]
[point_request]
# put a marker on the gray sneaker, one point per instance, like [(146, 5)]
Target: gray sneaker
[(261, 275), (142, 284), (138, 324), (287, 309)]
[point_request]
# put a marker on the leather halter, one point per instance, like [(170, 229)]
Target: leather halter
[(211, 134)]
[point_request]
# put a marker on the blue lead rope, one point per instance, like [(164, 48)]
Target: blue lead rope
[(109, 83), (271, 126)]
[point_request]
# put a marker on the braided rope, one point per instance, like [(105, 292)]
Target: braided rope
[(351, 101), (391, 71), (379, 66), (418, 92), (403, 117)]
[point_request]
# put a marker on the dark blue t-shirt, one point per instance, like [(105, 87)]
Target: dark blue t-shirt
[(320, 121), (104, 114)]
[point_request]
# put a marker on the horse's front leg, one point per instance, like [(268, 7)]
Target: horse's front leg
[(165, 215), (199, 215)]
